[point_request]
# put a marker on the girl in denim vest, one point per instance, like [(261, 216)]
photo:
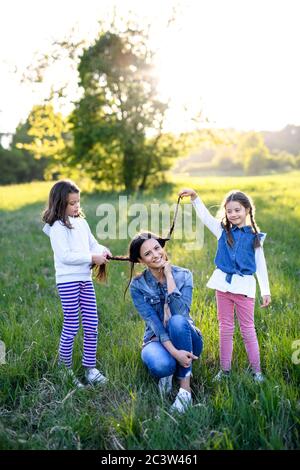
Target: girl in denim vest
[(162, 295), (239, 256)]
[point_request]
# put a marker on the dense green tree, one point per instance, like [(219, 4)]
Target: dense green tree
[(118, 122), (46, 131), (18, 164), (47, 138)]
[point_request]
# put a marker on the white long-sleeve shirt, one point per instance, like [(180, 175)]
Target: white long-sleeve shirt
[(73, 249), (246, 284)]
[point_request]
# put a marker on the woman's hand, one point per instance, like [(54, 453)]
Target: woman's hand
[(99, 259), (184, 358), (188, 192), (266, 301)]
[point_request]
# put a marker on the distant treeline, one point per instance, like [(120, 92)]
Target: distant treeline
[(287, 140), (232, 152), (251, 153)]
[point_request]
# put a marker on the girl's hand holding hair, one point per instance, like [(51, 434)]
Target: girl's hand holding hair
[(266, 301), (188, 192), (99, 259), (107, 252)]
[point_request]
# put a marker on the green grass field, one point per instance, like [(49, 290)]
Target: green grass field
[(38, 411)]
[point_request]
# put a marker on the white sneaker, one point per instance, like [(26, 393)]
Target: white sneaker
[(94, 377), (258, 377), (69, 374), (222, 374), (165, 385), (182, 401)]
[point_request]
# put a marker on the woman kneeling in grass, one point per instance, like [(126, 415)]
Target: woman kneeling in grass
[(162, 295)]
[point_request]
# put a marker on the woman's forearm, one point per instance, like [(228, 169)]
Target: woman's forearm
[(170, 283), (170, 348)]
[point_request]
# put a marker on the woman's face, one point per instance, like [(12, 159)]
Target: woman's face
[(152, 254)]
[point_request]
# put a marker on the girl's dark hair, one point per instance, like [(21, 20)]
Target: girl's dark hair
[(246, 202), (58, 201)]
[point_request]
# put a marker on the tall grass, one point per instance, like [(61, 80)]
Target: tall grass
[(40, 411)]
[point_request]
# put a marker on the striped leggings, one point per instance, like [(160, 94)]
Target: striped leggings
[(77, 296)]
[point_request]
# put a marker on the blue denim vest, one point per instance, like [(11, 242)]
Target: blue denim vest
[(149, 297), (240, 258)]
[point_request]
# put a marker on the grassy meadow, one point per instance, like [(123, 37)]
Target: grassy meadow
[(39, 411)]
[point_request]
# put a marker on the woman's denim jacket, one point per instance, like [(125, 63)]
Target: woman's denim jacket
[(149, 297)]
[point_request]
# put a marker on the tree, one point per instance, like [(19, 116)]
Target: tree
[(253, 153), (18, 164), (46, 137), (118, 122)]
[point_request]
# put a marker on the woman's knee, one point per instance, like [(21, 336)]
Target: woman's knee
[(162, 368), (178, 322), (159, 365)]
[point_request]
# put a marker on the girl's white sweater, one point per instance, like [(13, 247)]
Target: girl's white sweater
[(73, 249)]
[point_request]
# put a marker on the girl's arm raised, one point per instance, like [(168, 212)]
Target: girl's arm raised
[(203, 213)]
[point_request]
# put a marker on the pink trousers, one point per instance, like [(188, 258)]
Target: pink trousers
[(244, 306)]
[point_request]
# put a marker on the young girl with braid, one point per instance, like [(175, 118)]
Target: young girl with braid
[(239, 256)]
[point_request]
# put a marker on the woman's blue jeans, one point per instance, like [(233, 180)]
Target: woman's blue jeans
[(160, 362)]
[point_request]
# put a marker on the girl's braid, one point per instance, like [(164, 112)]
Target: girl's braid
[(100, 270), (254, 226), (174, 219), (228, 231)]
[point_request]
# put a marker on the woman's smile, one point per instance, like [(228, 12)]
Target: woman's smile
[(156, 261)]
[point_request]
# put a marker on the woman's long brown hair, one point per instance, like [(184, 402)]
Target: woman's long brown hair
[(134, 250)]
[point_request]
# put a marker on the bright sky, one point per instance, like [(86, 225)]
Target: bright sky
[(237, 60)]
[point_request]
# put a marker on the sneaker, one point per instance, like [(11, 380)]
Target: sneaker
[(94, 377), (222, 374), (182, 401), (165, 385), (69, 375), (258, 377)]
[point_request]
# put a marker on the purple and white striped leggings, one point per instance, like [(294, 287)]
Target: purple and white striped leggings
[(77, 296)]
